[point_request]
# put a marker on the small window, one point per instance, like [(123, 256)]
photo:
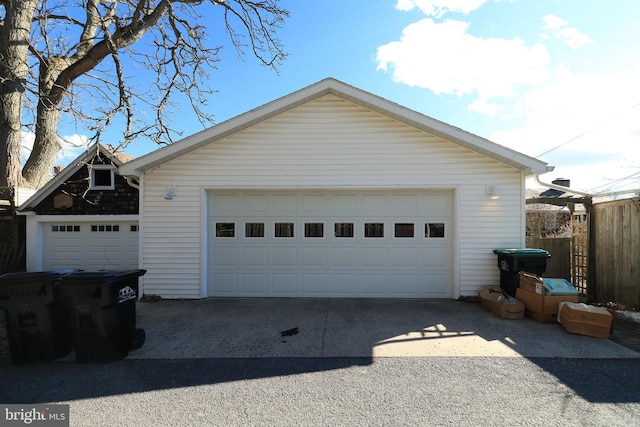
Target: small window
[(374, 229), (343, 229), (225, 229), (254, 229), (404, 230), (65, 228), (101, 177), (434, 229), (313, 229), (133, 228), (283, 229)]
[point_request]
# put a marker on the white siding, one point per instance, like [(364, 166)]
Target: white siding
[(327, 143)]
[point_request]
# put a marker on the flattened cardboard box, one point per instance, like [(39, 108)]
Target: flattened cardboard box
[(584, 319), (541, 307), (499, 302)]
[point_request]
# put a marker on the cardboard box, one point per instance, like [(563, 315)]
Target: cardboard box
[(548, 286), (530, 282), (501, 303), (585, 319), (541, 307)]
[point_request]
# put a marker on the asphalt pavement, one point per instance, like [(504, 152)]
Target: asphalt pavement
[(341, 362)]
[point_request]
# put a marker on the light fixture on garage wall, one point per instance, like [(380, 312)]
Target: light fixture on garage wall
[(490, 191), (171, 191)]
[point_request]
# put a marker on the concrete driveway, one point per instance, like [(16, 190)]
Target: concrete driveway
[(324, 328)]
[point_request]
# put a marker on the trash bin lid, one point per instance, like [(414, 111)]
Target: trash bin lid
[(523, 252), (99, 277), (29, 276)]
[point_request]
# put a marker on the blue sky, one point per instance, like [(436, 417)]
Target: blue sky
[(534, 75)]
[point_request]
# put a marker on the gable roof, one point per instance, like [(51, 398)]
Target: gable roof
[(360, 97), (117, 158)]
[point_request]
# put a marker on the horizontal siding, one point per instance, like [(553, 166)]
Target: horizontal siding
[(327, 143)]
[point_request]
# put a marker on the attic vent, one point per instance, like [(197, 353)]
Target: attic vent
[(101, 177)]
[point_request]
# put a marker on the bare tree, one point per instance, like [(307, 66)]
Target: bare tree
[(73, 60)]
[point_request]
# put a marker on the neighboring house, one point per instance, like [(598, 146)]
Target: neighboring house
[(329, 192), (86, 217)]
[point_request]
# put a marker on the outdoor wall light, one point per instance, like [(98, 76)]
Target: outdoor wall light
[(490, 191), (171, 191)]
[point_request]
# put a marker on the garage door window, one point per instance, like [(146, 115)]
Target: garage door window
[(254, 229), (313, 229), (374, 229), (105, 228), (284, 229), (343, 229), (434, 229), (225, 229), (404, 230), (65, 228)]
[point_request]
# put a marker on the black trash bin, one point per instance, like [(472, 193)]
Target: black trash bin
[(35, 317), (101, 306), (512, 261)]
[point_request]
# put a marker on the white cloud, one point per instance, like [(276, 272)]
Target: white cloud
[(594, 119), (72, 147), (590, 122), (561, 30), (446, 59), (437, 8)]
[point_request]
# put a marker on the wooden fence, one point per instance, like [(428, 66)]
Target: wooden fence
[(559, 265), (614, 259)]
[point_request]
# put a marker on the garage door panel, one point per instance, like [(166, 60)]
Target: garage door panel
[(226, 283), (314, 284), (254, 204), (285, 204), (254, 257), (284, 256), (344, 257), (314, 205), (373, 285), (254, 283), (344, 204), (284, 284), (225, 257), (374, 257), (432, 257), (345, 284), (377, 264), (404, 257), (111, 245), (314, 256)]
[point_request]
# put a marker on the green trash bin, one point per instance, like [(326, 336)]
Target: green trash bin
[(35, 317), (512, 261), (101, 306)]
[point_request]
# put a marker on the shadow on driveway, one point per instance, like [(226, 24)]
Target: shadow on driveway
[(191, 343)]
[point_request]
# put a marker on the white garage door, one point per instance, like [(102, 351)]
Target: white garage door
[(373, 244), (90, 245)]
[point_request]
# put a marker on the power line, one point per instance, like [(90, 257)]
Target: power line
[(588, 131)]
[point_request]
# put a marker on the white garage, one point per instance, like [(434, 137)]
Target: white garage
[(94, 245), (329, 191), (392, 244)]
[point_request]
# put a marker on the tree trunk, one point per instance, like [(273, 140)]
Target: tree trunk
[(37, 170), (10, 136), (14, 41)]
